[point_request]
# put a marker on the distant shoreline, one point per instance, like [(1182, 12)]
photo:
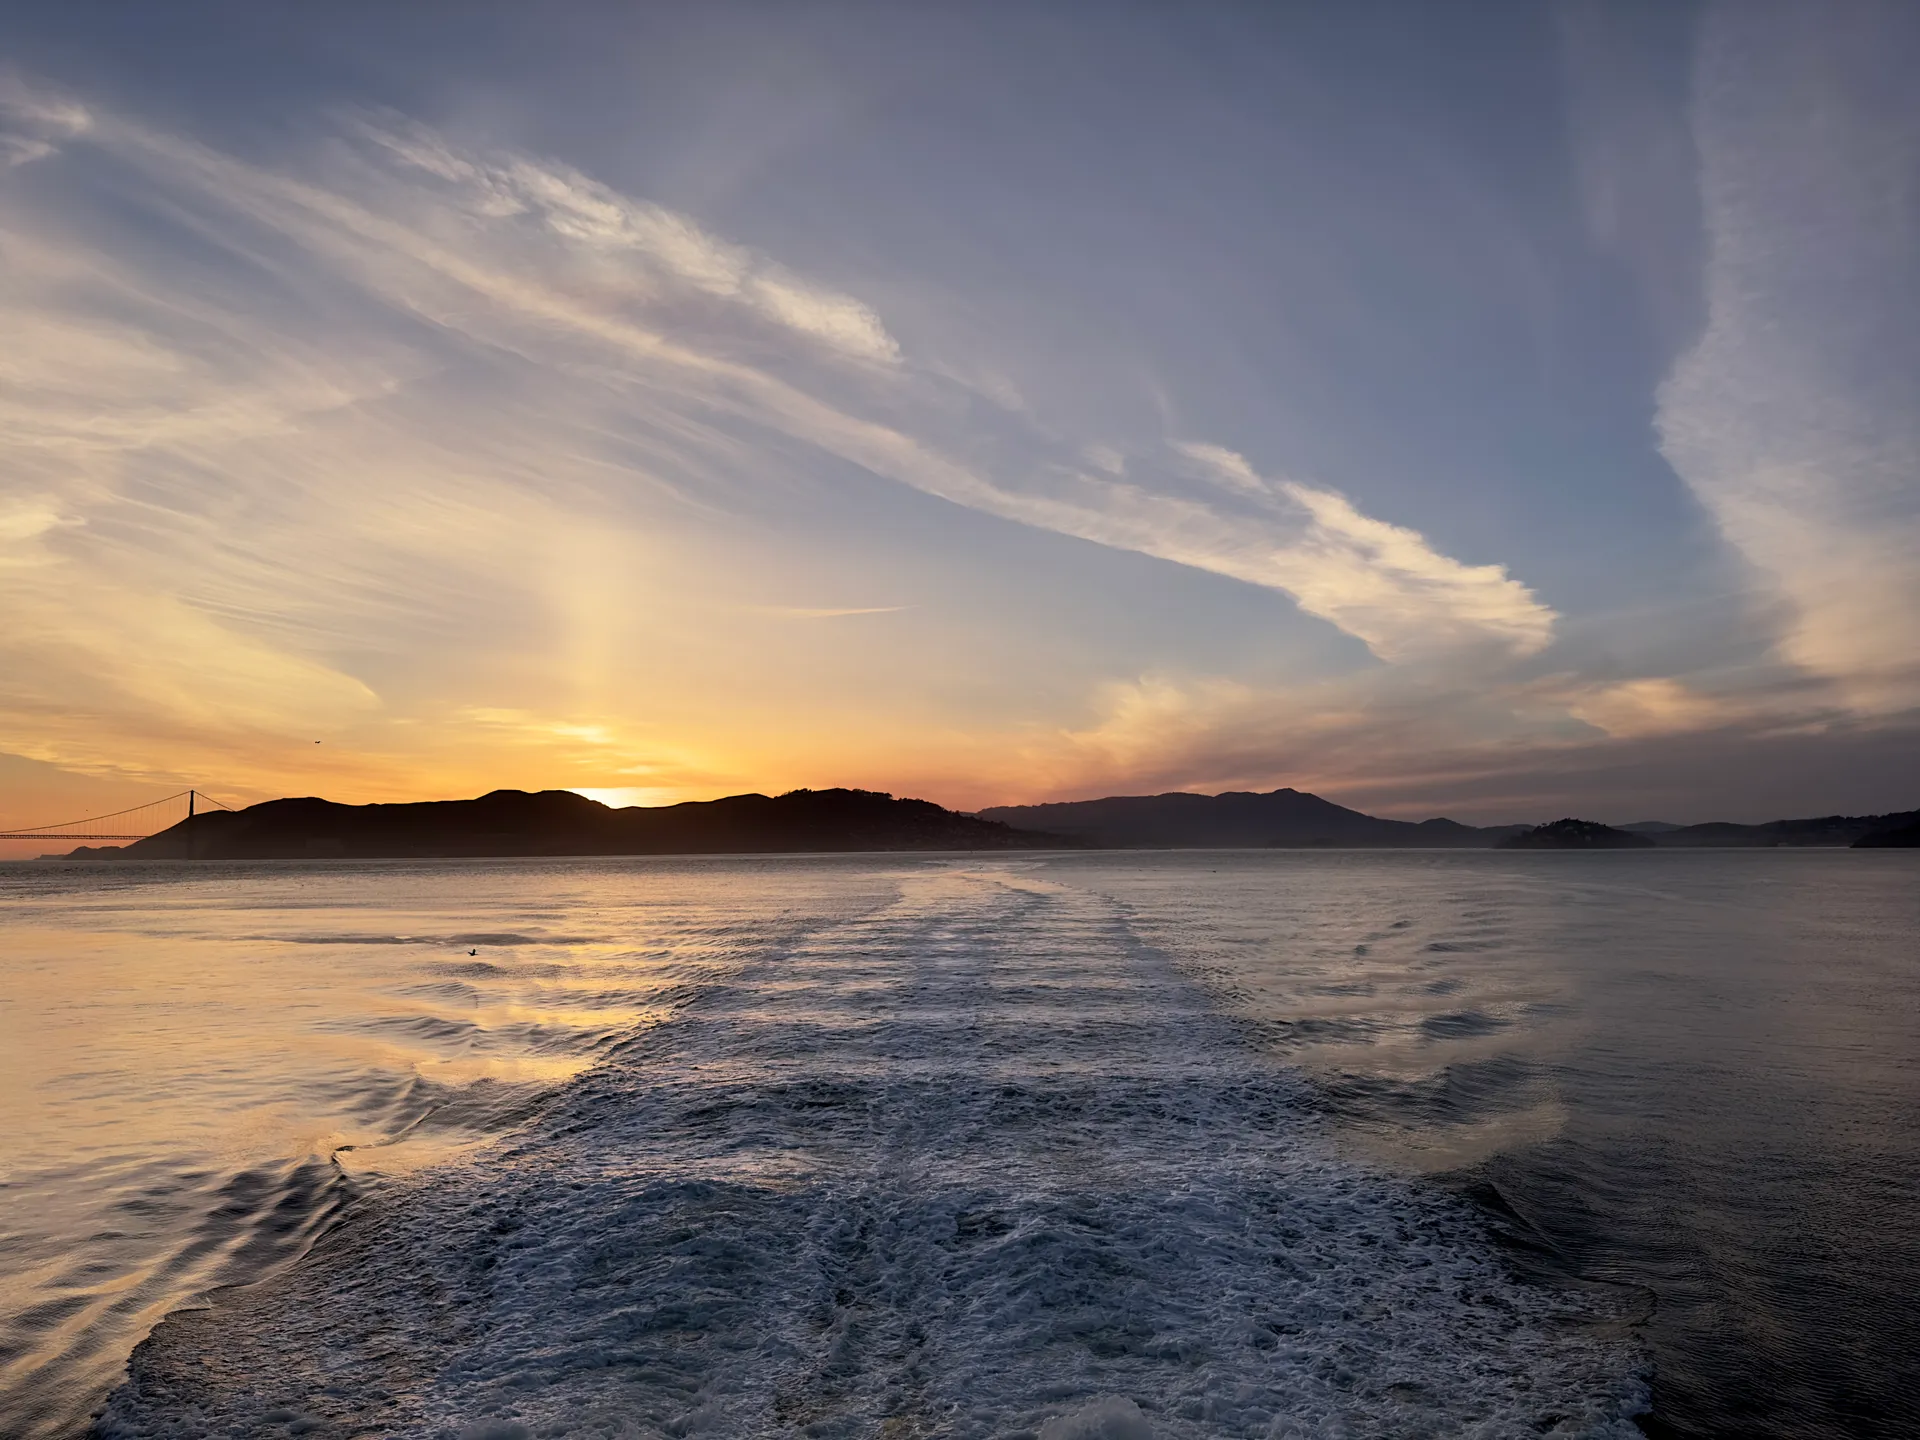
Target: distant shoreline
[(559, 824)]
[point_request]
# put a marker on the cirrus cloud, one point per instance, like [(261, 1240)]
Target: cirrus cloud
[(1793, 418), (406, 449)]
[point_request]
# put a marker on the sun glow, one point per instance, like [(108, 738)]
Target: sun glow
[(621, 796)]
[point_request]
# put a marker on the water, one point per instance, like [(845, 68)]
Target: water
[(1260, 1144), (205, 1064), (1694, 1074)]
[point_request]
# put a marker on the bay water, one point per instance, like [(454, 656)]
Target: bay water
[(1201, 1143)]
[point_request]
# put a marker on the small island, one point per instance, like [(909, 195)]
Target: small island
[(1571, 834)]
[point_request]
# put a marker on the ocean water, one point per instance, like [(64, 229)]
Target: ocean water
[(1278, 1144)]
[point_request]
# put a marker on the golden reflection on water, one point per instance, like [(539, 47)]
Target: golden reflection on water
[(148, 1067), (203, 1063), (218, 1044)]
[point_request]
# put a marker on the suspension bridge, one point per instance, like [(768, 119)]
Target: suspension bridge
[(135, 823)]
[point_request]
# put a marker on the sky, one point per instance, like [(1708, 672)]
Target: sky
[(1483, 409)]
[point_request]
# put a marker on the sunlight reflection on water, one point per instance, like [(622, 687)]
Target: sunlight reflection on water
[(204, 1063)]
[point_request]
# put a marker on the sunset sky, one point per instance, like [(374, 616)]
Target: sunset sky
[(1491, 410)]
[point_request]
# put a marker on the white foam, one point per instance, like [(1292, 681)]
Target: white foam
[(1112, 1417), (977, 1164)]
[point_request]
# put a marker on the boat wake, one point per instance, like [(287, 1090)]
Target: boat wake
[(980, 1162)]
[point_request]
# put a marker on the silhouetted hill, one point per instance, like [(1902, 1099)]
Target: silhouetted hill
[(558, 822), (1573, 834), (1822, 830), (1903, 837), (1239, 819), (1246, 820)]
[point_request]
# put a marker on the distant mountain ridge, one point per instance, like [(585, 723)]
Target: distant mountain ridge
[(1900, 837), (1241, 819), (1819, 830), (559, 822)]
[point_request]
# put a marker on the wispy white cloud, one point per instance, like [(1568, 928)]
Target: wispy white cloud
[(438, 251), (35, 120), (1225, 467), (1793, 418), (1653, 705), (19, 150), (807, 612), (673, 246), (1378, 581), (44, 108), (27, 517), (423, 466)]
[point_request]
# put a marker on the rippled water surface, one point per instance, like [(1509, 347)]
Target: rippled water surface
[(1212, 1144), (205, 1063), (1694, 1074)]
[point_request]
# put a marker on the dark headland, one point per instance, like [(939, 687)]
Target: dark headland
[(1904, 837), (1295, 819), (559, 822), (1239, 819)]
